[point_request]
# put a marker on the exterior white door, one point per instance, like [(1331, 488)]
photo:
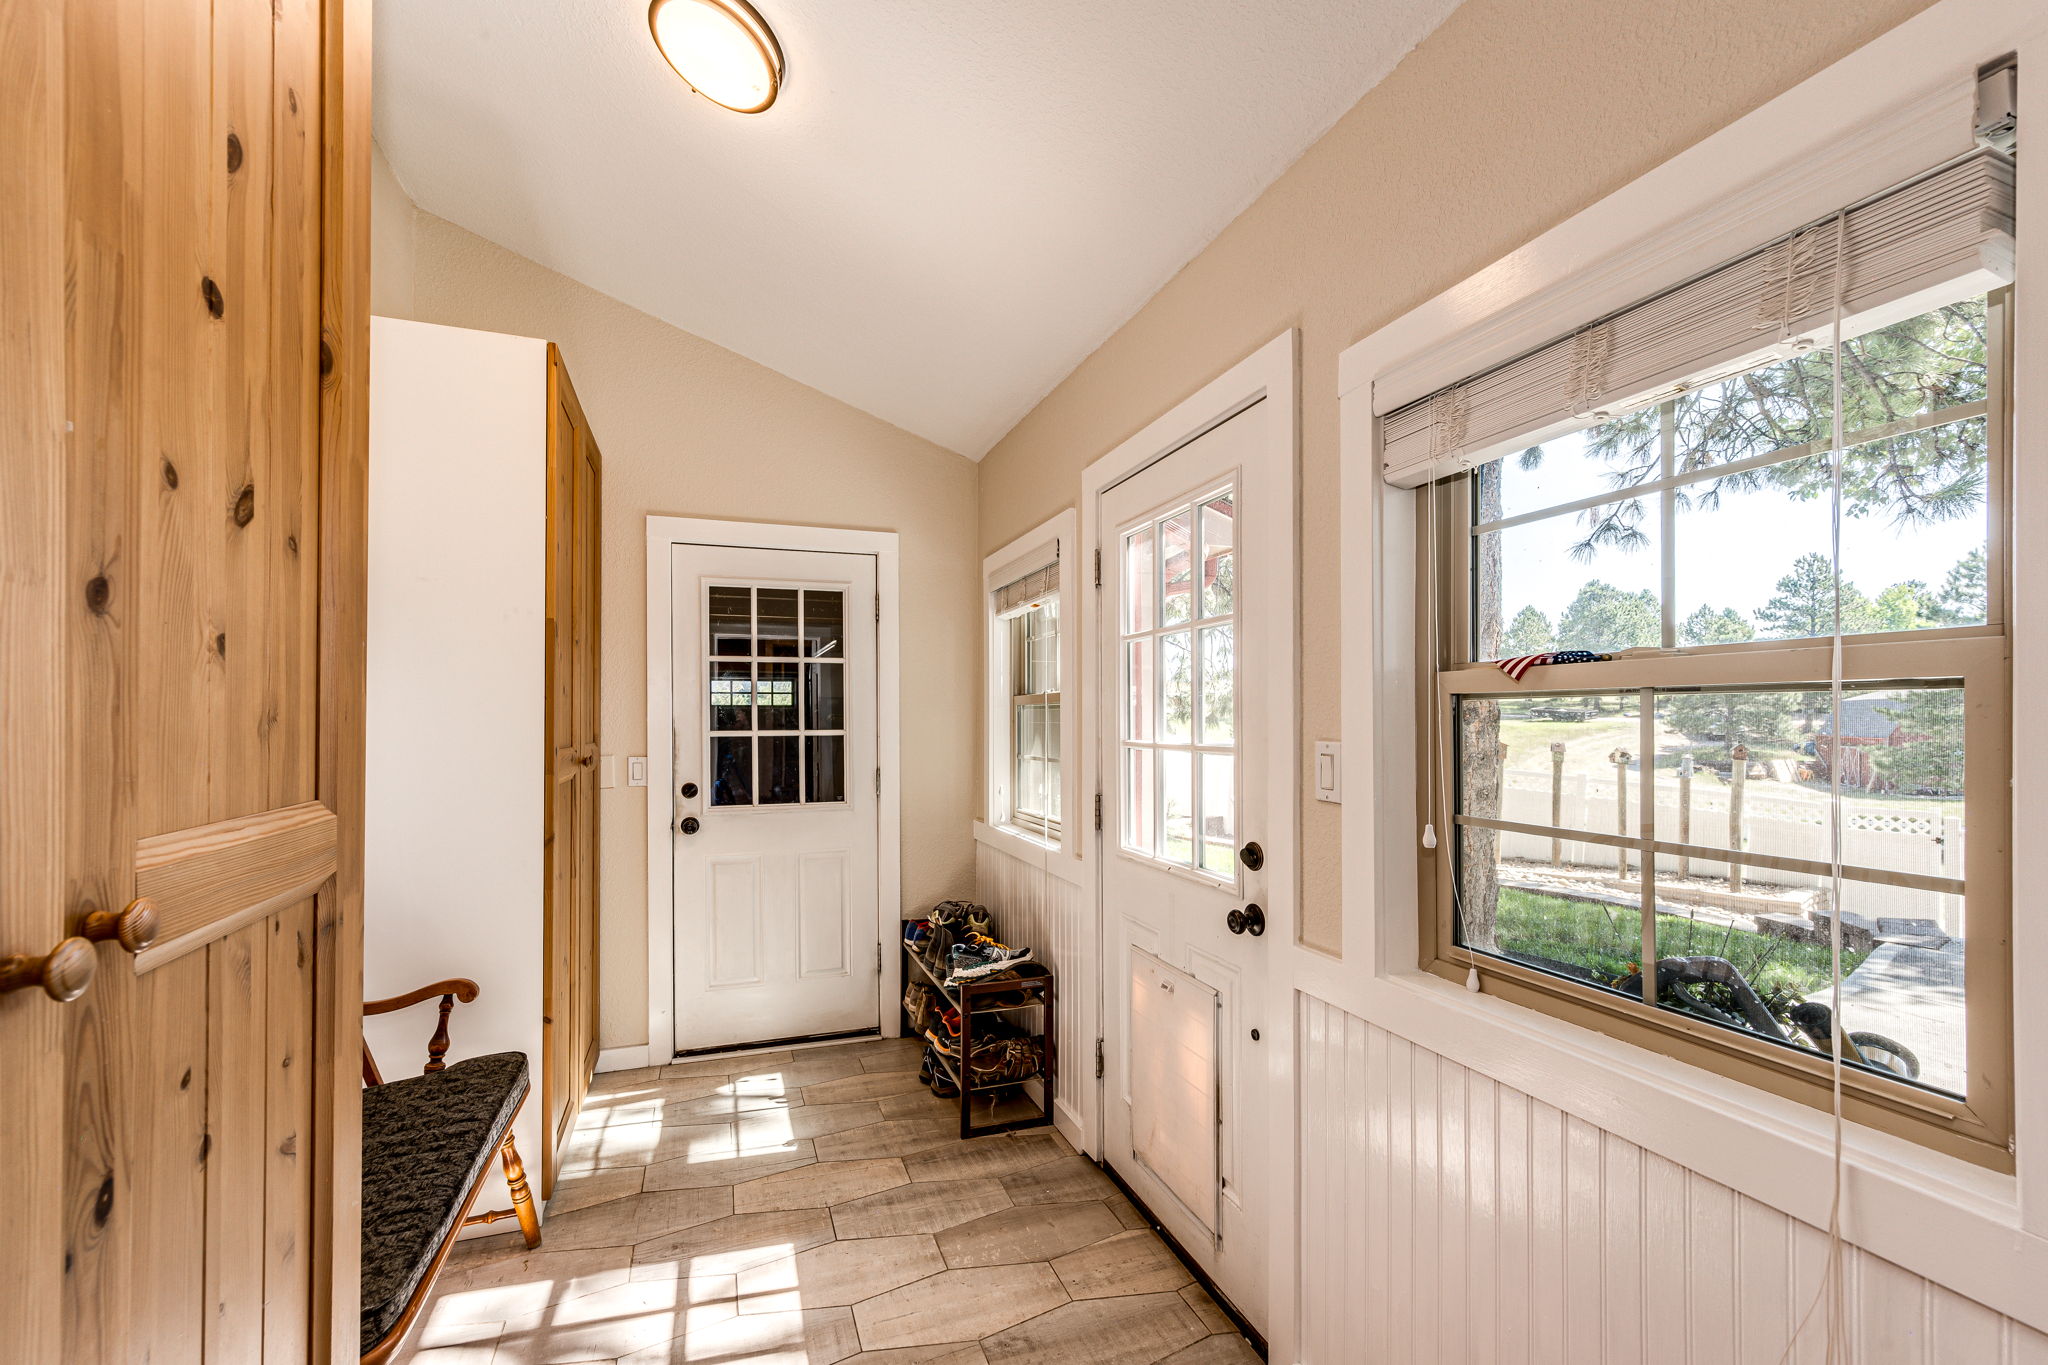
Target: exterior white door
[(1196, 599), (776, 814)]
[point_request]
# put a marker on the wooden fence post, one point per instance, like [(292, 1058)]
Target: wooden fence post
[(1557, 800), (1738, 774), (1684, 812), (1620, 757)]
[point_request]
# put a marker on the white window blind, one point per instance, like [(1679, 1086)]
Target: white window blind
[(1943, 236), (1028, 589)]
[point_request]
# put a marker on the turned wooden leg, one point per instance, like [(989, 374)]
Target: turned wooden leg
[(522, 1197)]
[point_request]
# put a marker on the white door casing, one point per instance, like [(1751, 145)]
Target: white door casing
[(776, 713), (1192, 650)]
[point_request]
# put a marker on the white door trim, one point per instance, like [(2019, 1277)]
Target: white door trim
[(1272, 373), (663, 533)]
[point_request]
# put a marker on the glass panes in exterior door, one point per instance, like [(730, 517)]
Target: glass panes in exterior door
[(1178, 582), (775, 705)]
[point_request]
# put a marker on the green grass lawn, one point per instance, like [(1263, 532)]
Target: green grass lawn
[(1607, 940)]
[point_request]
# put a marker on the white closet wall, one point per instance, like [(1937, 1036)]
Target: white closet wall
[(457, 696)]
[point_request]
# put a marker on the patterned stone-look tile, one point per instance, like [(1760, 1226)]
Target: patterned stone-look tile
[(1005, 1154), (1064, 1180), (893, 1059), (1137, 1331), (599, 1187), (1221, 1350), (1127, 1213), (696, 1172), (819, 1186), (968, 1354), (866, 1086), (651, 1103), (722, 1066), (625, 1222), (492, 1285), (927, 1206), (892, 1137), (815, 1336), (807, 1069), (727, 1246), (612, 1082), (958, 1305), (615, 1322), (1037, 1232), (838, 1274), (1127, 1264), (921, 1103), (1213, 1317)]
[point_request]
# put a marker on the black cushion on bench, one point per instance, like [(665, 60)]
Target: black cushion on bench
[(426, 1140)]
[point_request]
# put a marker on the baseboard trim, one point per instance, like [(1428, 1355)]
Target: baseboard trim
[(622, 1058)]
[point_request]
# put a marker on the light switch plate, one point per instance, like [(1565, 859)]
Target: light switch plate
[(636, 771), (1329, 773)]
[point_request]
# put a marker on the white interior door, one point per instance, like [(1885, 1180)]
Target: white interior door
[(776, 813), (1197, 557)]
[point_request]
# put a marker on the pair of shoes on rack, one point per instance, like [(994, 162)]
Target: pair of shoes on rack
[(1004, 1060), (921, 1005), (933, 1073), (980, 957)]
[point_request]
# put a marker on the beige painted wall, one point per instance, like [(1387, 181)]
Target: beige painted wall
[(688, 428), (1512, 116)]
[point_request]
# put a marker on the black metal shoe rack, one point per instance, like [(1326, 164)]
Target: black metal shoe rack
[(1035, 980)]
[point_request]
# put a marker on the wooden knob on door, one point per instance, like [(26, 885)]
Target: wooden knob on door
[(134, 928), (63, 975)]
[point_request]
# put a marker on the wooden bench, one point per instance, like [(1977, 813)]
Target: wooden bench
[(427, 1145)]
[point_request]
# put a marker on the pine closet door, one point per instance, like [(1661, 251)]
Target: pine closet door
[(569, 983), (184, 276)]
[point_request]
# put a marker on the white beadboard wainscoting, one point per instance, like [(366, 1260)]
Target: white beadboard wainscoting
[(1451, 1219), (1039, 902)]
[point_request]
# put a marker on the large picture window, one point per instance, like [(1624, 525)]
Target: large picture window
[(1654, 812)]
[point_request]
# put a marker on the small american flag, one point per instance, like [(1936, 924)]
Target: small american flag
[(1522, 663)]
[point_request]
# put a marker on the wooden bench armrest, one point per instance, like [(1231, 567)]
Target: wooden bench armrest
[(461, 987), (453, 989)]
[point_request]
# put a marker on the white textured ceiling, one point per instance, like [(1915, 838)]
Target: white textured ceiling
[(952, 203)]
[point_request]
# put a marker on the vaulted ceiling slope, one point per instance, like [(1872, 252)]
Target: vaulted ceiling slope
[(952, 204)]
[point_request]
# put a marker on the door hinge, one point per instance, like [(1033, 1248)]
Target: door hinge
[(878, 781), (1098, 1059), (1098, 812), (1098, 566), (878, 959), (878, 609)]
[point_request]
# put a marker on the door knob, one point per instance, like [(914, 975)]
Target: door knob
[(1250, 920), (134, 928), (1252, 856), (689, 825), (63, 975)]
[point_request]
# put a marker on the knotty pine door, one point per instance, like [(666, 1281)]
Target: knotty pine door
[(184, 260), (569, 973)]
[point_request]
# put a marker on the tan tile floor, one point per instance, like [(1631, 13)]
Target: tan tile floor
[(812, 1208)]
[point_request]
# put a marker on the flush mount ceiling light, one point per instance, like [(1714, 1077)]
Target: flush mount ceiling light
[(723, 49)]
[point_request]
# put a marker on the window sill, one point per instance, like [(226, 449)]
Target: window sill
[(1938, 1216), (1030, 848)]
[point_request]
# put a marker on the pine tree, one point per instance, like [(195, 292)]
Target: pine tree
[(1963, 600), (1603, 618), (1709, 627), (1904, 606), (1528, 633), (1804, 604), (1930, 756)]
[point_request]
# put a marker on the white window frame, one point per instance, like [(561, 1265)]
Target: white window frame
[(1057, 539), (1045, 826), (1900, 104)]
